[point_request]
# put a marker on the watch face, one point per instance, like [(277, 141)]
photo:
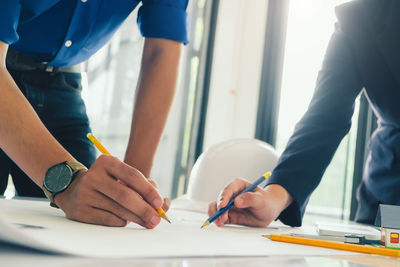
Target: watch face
[(58, 177)]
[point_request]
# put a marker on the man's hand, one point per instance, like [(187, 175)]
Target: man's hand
[(167, 201), (258, 208), (111, 193)]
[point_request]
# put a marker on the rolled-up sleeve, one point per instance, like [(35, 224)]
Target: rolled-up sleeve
[(9, 16), (164, 19)]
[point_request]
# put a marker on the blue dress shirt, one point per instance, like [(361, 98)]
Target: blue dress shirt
[(67, 32)]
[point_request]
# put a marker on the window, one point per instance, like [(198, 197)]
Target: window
[(236, 71), (110, 87), (310, 25), (109, 96), (194, 73)]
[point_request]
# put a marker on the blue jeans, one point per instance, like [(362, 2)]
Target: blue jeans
[(56, 98)]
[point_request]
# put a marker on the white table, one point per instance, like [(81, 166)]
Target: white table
[(13, 255)]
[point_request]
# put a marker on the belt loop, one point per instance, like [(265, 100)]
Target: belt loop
[(50, 69)]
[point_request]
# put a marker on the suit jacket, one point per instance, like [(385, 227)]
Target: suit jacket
[(363, 55)]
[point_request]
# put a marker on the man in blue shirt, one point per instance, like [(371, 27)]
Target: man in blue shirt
[(363, 56), (43, 121)]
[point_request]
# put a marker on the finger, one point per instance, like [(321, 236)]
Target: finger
[(212, 209), (166, 204), (108, 218), (167, 201), (223, 219), (129, 199), (245, 217), (231, 190), (100, 217), (135, 180), (153, 183), (249, 200), (105, 203)]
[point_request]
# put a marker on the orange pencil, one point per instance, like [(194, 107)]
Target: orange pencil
[(334, 245)]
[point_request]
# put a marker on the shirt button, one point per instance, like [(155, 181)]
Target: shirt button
[(68, 43)]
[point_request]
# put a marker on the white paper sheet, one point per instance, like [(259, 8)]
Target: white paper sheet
[(35, 224), (342, 229)]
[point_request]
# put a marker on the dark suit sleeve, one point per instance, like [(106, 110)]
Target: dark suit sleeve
[(319, 132)]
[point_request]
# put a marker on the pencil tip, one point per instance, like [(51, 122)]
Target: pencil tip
[(206, 223), (164, 216)]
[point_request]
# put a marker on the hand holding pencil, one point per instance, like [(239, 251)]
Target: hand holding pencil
[(255, 208), (104, 151), (96, 196)]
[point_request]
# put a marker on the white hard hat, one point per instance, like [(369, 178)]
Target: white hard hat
[(220, 164)]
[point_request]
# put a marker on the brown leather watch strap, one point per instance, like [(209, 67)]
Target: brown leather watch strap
[(76, 167)]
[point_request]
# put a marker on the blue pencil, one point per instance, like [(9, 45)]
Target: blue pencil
[(230, 204)]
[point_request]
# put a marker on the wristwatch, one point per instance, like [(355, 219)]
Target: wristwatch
[(59, 177)]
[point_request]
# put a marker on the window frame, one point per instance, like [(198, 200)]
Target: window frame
[(185, 161), (270, 88)]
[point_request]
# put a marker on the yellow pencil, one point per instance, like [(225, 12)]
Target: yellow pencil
[(334, 245), (103, 150), (97, 144)]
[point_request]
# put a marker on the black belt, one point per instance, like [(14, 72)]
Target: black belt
[(20, 62)]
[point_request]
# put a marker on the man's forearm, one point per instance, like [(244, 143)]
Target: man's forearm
[(155, 92), (23, 137)]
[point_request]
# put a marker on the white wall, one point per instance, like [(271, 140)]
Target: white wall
[(236, 70)]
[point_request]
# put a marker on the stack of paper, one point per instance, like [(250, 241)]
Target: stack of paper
[(35, 224)]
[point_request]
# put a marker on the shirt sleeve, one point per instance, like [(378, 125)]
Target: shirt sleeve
[(9, 16), (318, 134), (164, 19)]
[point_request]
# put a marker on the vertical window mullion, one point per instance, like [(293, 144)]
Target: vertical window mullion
[(274, 49)]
